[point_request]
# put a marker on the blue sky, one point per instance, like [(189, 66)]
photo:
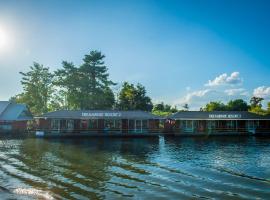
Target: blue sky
[(181, 51)]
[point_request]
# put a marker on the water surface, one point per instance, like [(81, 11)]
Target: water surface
[(136, 168)]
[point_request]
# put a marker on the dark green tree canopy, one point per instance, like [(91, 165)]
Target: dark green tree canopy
[(256, 101), (133, 97), (86, 86), (164, 108), (237, 105), (215, 106)]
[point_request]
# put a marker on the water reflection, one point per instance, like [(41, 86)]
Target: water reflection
[(110, 168)]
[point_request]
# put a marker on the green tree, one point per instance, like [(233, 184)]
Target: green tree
[(268, 107), (256, 101), (186, 107), (162, 109), (133, 97), (37, 89), (214, 106), (237, 105), (87, 86)]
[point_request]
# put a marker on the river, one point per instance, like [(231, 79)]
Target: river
[(135, 168)]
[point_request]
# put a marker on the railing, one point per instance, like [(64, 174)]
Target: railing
[(101, 130), (222, 130)]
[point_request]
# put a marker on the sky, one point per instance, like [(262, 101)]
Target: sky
[(192, 51)]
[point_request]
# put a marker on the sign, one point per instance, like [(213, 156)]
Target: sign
[(225, 116), (101, 114)]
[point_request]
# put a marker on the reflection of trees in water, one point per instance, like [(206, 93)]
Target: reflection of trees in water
[(79, 166)]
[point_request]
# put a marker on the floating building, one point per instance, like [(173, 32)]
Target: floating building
[(13, 117), (98, 122), (219, 123), (140, 123)]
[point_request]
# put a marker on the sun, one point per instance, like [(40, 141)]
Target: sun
[(3, 38)]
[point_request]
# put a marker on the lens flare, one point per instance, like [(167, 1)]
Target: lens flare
[(4, 39)]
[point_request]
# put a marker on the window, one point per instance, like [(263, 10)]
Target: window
[(109, 124), (112, 124), (84, 124), (55, 124), (138, 125), (230, 124), (118, 124), (187, 124), (70, 124), (131, 125), (93, 124), (144, 124)]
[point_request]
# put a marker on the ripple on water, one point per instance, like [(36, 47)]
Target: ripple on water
[(136, 168)]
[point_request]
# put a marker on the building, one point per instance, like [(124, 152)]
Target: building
[(219, 123), (13, 117), (98, 122)]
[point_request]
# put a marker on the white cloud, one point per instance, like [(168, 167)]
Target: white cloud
[(225, 79), (237, 91), (200, 98), (262, 91)]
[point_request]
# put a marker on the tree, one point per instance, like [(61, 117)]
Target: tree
[(186, 107), (87, 86), (133, 97), (237, 105), (268, 107), (214, 106), (162, 109), (256, 101), (37, 89)]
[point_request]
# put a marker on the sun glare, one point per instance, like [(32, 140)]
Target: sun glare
[(3, 39)]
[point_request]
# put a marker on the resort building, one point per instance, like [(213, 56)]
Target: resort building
[(13, 117), (98, 122), (219, 122)]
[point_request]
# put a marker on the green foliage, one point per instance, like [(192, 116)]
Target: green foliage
[(37, 86), (162, 109), (215, 106), (186, 107), (268, 107), (161, 113), (133, 97), (237, 105), (256, 106), (256, 102), (87, 86), (257, 110)]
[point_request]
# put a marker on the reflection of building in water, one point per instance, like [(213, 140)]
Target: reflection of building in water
[(82, 166), (219, 122), (66, 166), (98, 122)]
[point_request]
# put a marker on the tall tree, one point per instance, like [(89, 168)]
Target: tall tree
[(87, 86), (37, 88), (186, 107), (68, 80), (133, 97), (256, 101), (95, 82)]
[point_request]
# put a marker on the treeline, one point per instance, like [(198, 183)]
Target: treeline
[(255, 106), (82, 87), (88, 87)]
